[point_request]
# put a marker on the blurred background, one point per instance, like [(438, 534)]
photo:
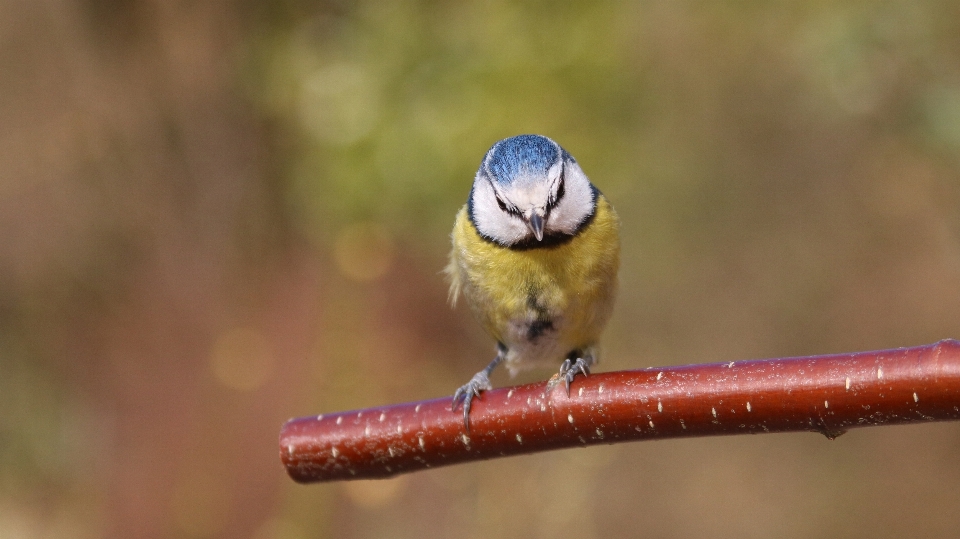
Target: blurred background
[(215, 216)]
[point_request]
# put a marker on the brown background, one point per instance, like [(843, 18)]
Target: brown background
[(218, 215)]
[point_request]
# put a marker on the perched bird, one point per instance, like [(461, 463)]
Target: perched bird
[(535, 254)]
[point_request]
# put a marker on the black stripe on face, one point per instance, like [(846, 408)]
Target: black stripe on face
[(561, 190), (550, 239), (510, 210)]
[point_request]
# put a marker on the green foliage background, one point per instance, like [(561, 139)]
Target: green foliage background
[(218, 215)]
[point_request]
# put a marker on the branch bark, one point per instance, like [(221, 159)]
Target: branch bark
[(825, 394)]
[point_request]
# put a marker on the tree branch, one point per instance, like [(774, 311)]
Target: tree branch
[(825, 394)]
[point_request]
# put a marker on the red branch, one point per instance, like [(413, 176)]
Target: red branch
[(825, 394)]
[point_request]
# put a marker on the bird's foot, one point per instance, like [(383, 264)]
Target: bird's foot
[(466, 393), (570, 368)]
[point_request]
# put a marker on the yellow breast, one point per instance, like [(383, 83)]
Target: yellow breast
[(542, 303)]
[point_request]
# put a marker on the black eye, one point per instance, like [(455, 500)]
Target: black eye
[(560, 190), (502, 205)]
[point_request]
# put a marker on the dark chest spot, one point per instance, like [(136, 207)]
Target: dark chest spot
[(542, 322), (537, 328)]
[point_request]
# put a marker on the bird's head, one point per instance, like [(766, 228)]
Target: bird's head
[(529, 188)]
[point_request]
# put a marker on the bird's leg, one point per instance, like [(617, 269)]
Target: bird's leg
[(577, 361), (479, 382)]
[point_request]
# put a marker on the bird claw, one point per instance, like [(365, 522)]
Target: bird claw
[(466, 393), (569, 369)]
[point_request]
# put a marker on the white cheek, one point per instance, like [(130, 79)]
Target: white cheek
[(575, 206), (493, 222)]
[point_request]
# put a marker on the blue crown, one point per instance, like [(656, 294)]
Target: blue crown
[(521, 155)]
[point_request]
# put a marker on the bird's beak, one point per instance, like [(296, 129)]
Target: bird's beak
[(536, 226)]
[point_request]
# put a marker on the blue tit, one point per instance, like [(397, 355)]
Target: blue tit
[(536, 251)]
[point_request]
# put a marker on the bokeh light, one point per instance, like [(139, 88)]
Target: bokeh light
[(218, 216)]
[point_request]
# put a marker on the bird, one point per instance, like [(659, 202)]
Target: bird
[(536, 251)]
